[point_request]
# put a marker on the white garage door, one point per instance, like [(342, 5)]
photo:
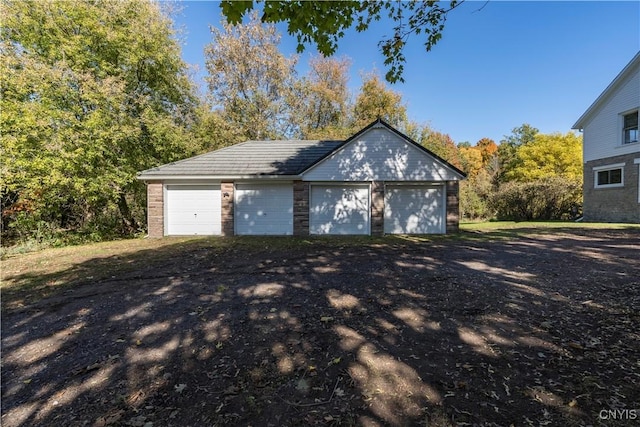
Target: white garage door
[(262, 209), (335, 209), (193, 209), (414, 210)]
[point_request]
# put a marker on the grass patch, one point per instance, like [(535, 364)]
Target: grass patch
[(541, 225), (48, 270), (494, 230)]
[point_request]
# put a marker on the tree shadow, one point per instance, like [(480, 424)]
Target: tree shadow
[(327, 332)]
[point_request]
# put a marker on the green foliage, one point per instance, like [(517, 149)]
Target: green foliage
[(475, 192), (250, 79), (548, 155), (212, 131), (324, 23), (320, 100), (92, 92), (376, 101), (530, 176), (548, 198), (539, 175), (519, 137), (438, 143), (479, 162)]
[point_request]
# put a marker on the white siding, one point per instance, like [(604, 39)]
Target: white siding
[(414, 209), (602, 132), (192, 210), (380, 155), (264, 209), (339, 209)]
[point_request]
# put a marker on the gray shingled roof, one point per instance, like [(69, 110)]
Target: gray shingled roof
[(249, 158)]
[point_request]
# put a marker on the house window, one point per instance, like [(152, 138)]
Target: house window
[(609, 176), (630, 128)]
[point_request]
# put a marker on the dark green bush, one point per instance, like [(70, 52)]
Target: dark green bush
[(551, 198)]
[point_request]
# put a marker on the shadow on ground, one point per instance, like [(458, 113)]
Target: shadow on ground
[(534, 329)]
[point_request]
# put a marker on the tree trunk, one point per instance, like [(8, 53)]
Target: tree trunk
[(128, 221)]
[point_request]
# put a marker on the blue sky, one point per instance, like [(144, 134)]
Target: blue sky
[(512, 62)]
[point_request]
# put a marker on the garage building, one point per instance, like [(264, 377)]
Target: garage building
[(379, 181)]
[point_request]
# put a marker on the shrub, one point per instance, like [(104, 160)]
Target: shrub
[(473, 203), (550, 198), (474, 195)]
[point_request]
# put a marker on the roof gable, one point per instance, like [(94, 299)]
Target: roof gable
[(380, 152), (617, 82)]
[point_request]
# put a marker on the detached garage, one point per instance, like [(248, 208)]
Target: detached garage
[(379, 181)]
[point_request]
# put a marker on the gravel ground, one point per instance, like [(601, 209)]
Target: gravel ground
[(536, 329)]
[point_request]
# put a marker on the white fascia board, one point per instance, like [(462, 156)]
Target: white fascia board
[(216, 177), (611, 166)]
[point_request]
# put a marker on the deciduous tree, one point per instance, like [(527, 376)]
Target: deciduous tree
[(471, 160), (547, 155), (521, 135), (488, 149), (250, 80), (321, 99), (92, 92), (376, 101)]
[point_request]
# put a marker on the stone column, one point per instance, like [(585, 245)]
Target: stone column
[(226, 203), (377, 208), (155, 209), (453, 207), (300, 208)]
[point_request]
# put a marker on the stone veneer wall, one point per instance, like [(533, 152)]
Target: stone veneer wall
[(617, 204), (300, 208), (453, 207), (377, 208), (226, 204), (155, 209)]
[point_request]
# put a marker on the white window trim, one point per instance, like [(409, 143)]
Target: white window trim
[(613, 166), (620, 128)]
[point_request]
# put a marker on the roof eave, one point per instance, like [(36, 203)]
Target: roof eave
[(271, 177)]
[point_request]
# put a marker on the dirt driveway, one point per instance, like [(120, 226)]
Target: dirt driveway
[(533, 328)]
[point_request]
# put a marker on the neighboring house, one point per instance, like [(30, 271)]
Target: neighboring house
[(611, 150), (377, 182)]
